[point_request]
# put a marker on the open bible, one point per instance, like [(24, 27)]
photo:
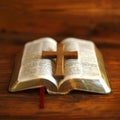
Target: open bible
[(86, 73)]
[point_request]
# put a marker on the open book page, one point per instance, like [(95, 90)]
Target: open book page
[(86, 65), (77, 71), (32, 66)]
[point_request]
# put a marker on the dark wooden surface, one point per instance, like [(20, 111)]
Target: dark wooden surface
[(22, 21)]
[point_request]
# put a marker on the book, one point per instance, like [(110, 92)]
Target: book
[(86, 73)]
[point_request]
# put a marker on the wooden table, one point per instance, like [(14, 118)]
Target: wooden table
[(22, 21)]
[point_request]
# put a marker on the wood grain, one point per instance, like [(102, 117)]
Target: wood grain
[(22, 21)]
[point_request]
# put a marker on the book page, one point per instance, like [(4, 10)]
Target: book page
[(86, 65), (32, 66)]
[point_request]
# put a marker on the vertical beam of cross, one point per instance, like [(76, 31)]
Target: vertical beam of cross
[(60, 55)]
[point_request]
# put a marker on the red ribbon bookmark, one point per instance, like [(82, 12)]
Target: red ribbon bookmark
[(42, 94)]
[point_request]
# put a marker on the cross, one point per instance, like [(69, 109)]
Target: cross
[(60, 55)]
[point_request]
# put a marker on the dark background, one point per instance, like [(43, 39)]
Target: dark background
[(96, 20)]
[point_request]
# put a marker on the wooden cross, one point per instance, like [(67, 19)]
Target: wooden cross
[(60, 55)]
